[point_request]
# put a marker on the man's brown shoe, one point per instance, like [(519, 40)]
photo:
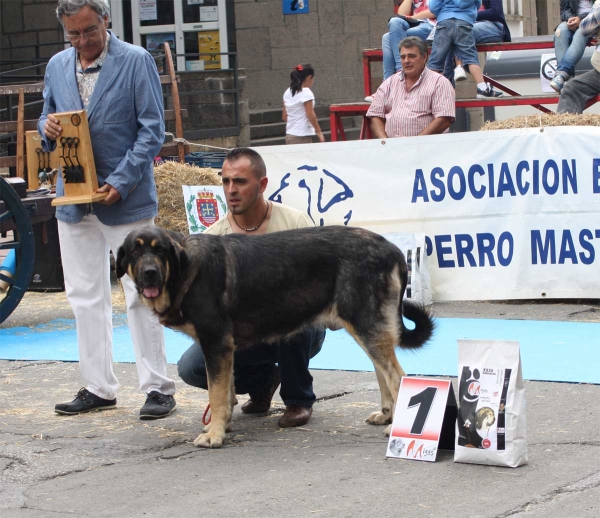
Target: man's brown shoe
[(294, 416), (261, 403)]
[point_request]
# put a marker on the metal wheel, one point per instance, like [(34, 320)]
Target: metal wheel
[(23, 243)]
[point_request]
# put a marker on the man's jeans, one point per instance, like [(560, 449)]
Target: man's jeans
[(483, 32), (254, 367), (398, 30), (578, 91), (569, 47)]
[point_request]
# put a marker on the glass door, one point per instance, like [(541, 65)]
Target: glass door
[(204, 30), (190, 27)]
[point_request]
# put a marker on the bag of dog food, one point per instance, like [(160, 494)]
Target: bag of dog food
[(419, 280), (490, 427)]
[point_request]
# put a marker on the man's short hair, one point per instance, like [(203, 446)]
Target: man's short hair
[(256, 161), (412, 42), (70, 7)]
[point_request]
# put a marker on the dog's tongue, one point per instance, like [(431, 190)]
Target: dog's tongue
[(150, 293)]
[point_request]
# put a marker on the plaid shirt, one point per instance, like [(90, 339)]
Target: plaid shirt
[(591, 23), (408, 113), (87, 79)]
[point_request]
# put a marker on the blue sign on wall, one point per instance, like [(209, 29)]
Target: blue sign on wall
[(295, 6)]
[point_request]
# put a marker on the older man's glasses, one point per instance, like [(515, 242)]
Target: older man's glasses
[(75, 37)]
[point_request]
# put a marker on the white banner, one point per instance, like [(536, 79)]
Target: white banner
[(509, 214)]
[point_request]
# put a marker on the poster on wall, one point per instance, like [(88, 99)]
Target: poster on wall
[(209, 13), (155, 45), (295, 6), (209, 43), (148, 10)]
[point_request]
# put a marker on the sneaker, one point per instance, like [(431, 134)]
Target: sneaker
[(157, 406), (261, 403), (558, 82), (84, 402), (369, 98), (459, 74), (488, 92)]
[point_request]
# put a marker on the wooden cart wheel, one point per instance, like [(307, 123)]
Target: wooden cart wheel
[(23, 242)]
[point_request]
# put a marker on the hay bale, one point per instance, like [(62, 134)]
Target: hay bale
[(169, 177), (544, 119)]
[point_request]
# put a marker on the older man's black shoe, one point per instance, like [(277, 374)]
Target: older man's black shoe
[(157, 406), (84, 402)]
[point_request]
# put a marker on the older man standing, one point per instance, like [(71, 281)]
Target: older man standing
[(414, 101), (118, 85)]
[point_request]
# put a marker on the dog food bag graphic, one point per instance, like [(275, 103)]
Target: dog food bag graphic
[(490, 427)]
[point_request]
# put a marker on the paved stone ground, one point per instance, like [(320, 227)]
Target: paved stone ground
[(112, 464)]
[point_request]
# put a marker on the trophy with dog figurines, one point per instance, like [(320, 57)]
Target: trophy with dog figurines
[(74, 149)]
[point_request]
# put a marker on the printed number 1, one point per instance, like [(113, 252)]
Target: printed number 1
[(424, 399)]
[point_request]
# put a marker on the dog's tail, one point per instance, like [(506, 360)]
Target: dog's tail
[(424, 325)]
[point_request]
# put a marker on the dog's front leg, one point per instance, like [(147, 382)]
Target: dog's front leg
[(219, 368)]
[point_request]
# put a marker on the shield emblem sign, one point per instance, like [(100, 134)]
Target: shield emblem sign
[(208, 210)]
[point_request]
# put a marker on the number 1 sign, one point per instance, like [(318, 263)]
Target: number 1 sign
[(423, 420)]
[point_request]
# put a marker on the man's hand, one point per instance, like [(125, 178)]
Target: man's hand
[(573, 23), (52, 128), (113, 194), (378, 127)]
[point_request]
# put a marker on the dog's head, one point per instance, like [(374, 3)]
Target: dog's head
[(155, 259)]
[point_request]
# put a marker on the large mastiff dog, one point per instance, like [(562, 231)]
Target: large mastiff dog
[(232, 291)]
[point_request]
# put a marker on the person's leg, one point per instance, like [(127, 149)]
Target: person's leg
[(578, 91), (573, 54), (397, 32), (296, 381), (253, 368), (86, 267), (389, 63), (191, 367), (562, 39), (421, 31), (442, 45), (488, 32), (294, 356), (147, 334)]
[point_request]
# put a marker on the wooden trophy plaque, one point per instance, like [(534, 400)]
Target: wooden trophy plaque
[(40, 163), (74, 150)]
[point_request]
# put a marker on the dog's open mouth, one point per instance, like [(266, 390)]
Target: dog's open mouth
[(151, 292)]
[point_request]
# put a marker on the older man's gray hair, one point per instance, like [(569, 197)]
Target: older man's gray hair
[(412, 42), (71, 7)]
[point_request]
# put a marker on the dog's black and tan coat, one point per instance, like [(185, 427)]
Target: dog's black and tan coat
[(233, 291)]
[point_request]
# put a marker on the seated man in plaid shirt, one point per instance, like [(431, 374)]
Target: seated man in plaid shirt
[(414, 101)]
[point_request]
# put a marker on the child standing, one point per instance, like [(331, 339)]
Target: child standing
[(454, 36), (299, 107)]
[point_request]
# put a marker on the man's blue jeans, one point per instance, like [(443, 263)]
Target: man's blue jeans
[(398, 30), (254, 367), (569, 47)]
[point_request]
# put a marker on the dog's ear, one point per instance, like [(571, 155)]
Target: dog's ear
[(121, 261), (179, 255)]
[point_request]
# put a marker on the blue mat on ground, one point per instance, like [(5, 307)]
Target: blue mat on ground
[(550, 351)]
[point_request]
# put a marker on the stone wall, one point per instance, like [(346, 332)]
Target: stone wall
[(331, 38), (26, 23)]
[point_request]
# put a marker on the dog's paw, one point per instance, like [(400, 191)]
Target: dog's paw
[(380, 417), (208, 440), (206, 429), (388, 430)]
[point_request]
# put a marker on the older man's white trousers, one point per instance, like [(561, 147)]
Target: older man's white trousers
[(85, 259)]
